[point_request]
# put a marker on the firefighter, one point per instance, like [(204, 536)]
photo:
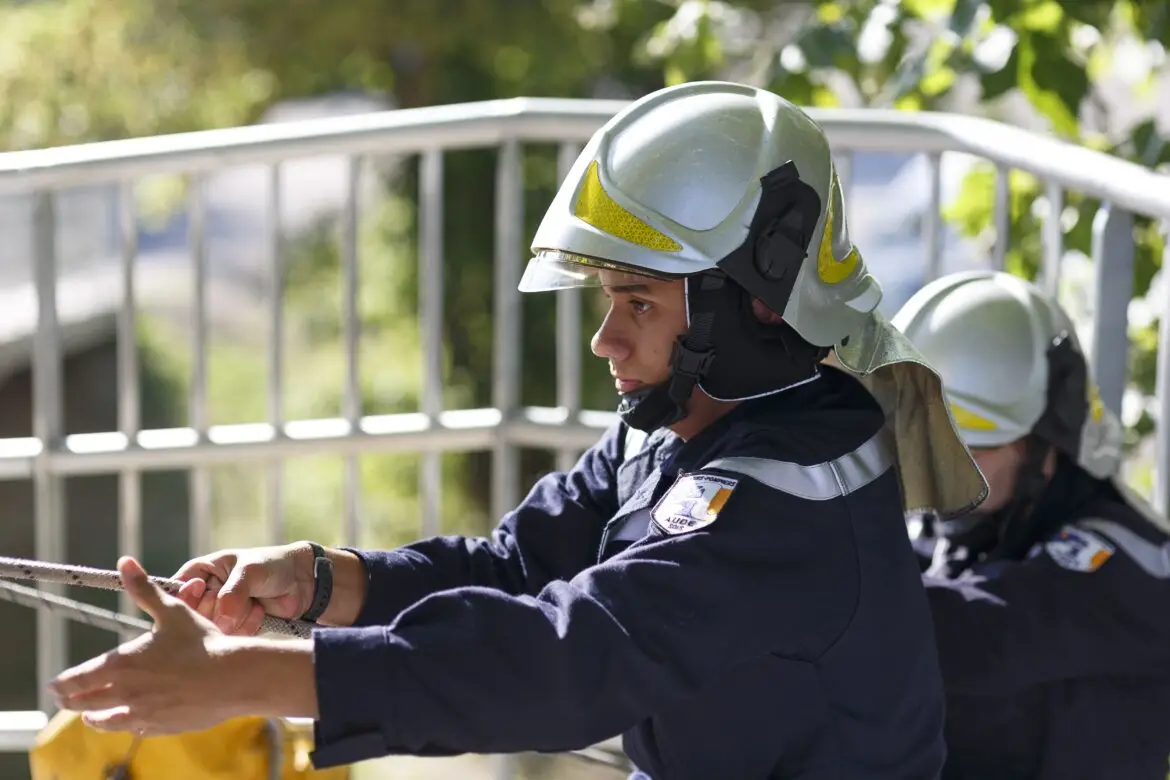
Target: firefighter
[(1049, 600), (724, 578)]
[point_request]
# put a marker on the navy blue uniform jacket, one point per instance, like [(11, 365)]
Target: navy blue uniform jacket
[(745, 604), (1057, 664)]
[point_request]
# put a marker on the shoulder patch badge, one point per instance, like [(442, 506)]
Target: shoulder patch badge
[(1076, 549), (693, 502)]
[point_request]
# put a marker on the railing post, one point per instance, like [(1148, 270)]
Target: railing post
[(1052, 238), (1113, 271), (199, 535), (274, 251), (129, 480), (351, 399), (48, 426), (1162, 388), (932, 227), (430, 304), (508, 345), (568, 335), (508, 323), (1002, 216)]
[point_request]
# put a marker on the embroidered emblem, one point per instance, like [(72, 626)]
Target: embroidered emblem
[(693, 502), (1078, 550)]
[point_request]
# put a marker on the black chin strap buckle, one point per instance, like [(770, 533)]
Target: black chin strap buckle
[(689, 362), (687, 367)]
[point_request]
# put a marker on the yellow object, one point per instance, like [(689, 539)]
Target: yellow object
[(965, 418), (595, 207), (829, 268), (237, 749)]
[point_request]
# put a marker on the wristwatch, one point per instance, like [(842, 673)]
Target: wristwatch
[(323, 583)]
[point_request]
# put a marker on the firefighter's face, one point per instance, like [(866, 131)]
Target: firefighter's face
[(643, 318), (1000, 467)]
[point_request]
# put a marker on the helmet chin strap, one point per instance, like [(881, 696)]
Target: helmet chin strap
[(666, 402), (726, 351)]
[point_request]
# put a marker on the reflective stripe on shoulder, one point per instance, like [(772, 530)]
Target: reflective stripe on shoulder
[(820, 481), (1153, 558)]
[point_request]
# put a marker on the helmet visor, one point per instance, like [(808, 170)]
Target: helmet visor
[(553, 269)]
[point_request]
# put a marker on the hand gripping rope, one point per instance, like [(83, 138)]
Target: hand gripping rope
[(21, 569)]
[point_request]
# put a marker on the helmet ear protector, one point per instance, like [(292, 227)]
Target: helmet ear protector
[(766, 264), (1066, 406)]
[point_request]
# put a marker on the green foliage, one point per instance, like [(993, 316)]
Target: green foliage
[(76, 70)]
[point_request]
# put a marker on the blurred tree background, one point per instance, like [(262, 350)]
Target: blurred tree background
[(83, 70)]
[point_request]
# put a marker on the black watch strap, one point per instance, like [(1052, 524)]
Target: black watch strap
[(323, 583)]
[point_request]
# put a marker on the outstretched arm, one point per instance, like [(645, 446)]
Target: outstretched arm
[(553, 534)]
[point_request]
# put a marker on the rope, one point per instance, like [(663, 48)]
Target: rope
[(21, 569), (78, 610)]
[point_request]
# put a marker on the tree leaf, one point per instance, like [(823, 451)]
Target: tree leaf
[(931, 9), (1053, 84), (1044, 17), (938, 82)]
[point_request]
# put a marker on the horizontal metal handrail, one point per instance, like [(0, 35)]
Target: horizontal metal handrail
[(19, 729), (555, 120), (163, 449)]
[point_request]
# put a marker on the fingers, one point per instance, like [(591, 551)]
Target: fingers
[(148, 596), (235, 601), (96, 674), (126, 719), (113, 719), (251, 624), (202, 580), (216, 565), (223, 589), (98, 688), (101, 699), (191, 593)]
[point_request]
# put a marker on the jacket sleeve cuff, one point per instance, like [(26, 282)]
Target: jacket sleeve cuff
[(395, 579), (355, 702)]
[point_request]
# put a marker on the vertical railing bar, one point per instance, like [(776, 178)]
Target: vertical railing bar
[(1161, 493), (351, 328), (129, 414), (1113, 262), (568, 334), (48, 426), (932, 228), (200, 529), (1052, 239), (275, 255), (507, 347), (1002, 216), (431, 309)]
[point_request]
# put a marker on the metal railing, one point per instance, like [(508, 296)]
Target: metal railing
[(1125, 189)]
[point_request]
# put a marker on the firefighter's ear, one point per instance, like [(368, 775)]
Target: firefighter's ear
[(764, 314)]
